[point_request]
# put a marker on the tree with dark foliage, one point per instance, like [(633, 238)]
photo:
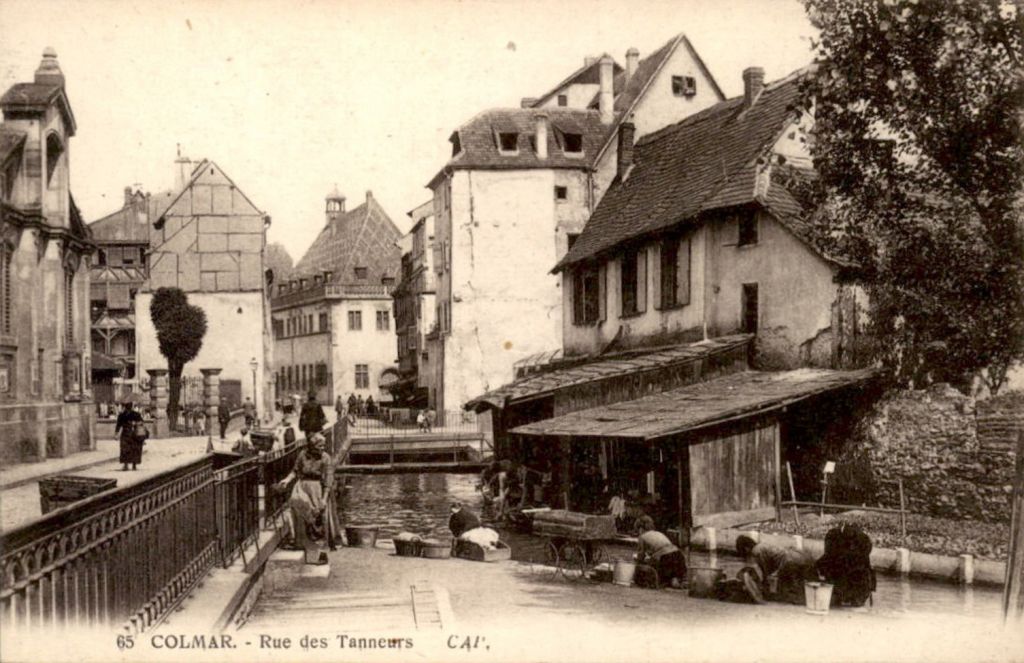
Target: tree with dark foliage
[(918, 147), (180, 328)]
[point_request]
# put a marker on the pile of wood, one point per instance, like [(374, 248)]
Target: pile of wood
[(573, 525)]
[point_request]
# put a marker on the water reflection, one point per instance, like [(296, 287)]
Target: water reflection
[(419, 503)]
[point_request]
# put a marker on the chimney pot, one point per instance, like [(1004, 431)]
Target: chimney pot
[(632, 62), (127, 196), (182, 169), (627, 131), (542, 136), (753, 83), (369, 195), (606, 96)]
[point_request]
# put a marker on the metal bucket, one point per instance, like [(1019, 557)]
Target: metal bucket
[(818, 596), (362, 536), (623, 573), (703, 580)]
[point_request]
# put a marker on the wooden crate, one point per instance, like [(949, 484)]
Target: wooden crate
[(472, 551), (573, 525)]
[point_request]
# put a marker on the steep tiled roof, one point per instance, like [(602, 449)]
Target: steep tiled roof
[(478, 138), (362, 237), (707, 161), (10, 140), (588, 74)]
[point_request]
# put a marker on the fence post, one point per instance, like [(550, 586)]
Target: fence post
[(1013, 590)]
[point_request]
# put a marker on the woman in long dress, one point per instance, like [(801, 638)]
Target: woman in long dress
[(131, 444), (308, 500)]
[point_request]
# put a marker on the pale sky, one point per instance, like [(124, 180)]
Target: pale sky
[(290, 97)]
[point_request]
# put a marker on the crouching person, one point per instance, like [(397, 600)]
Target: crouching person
[(656, 551), (307, 502), (465, 526), (846, 565), (773, 573)]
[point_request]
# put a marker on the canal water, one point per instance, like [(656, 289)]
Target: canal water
[(419, 503)]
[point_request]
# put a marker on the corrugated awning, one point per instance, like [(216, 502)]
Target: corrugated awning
[(698, 405), (601, 368)]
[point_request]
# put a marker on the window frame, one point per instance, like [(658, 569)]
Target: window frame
[(748, 230), (586, 296), (503, 136), (564, 191), (355, 320), (362, 371), (684, 86), (629, 283), (576, 139), (562, 100), (385, 318), (750, 308)]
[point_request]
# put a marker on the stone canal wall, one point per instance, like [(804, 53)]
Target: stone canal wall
[(954, 454)]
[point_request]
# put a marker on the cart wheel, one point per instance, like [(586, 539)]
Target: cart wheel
[(576, 561), (596, 553), (551, 562)]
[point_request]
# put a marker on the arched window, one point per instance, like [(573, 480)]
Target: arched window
[(54, 150)]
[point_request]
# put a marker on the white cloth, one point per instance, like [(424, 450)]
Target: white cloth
[(617, 507), (485, 537)]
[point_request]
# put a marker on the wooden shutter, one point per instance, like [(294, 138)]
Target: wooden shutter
[(602, 292), (641, 280), (683, 273), (659, 296)]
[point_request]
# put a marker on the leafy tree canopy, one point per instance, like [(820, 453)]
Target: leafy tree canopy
[(918, 147), (180, 328)]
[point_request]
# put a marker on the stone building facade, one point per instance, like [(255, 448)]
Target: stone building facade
[(515, 195), (45, 252), (209, 241), (332, 320), (414, 310)]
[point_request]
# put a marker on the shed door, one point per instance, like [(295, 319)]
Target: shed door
[(733, 474)]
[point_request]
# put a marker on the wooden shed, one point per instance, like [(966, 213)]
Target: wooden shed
[(709, 453)]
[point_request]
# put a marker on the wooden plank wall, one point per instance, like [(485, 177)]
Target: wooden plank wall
[(733, 473)]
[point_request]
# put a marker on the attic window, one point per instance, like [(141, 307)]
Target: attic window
[(684, 86), (508, 142), (746, 229), (573, 143), (563, 100), (360, 272), (561, 192)]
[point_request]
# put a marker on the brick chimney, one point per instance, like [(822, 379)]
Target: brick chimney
[(626, 132), (182, 171), (542, 136), (49, 72), (606, 96), (369, 196), (127, 196), (753, 83), (632, 62)]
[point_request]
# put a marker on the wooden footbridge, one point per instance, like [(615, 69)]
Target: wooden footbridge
[(390, 449)]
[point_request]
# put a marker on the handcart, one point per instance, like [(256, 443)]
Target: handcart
[(574, 541)]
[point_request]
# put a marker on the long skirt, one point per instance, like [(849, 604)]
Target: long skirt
[(131, 450), (307, 504)]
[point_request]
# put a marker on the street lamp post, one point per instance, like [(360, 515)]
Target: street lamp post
[(253, 364)]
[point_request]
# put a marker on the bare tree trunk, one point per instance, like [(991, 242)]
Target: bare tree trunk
[(174, 395)]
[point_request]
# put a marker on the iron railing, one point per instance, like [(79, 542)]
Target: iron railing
[(126, 557), (275, 466), (399, 422), (237, 491)]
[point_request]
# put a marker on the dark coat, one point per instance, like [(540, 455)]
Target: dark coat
[(312, 417), (130, 447), (461, 521)]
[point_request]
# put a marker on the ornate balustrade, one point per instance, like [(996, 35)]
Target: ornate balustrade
[(120, 558)]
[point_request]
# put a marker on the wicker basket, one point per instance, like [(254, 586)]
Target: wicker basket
[(472, 551), (433, 549), (362, 536), (408, 548)]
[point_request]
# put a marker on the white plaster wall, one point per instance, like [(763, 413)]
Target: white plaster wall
[(659, 107), (369, 346), (234, 335), (506, 304), (583, 339), (579, 95)]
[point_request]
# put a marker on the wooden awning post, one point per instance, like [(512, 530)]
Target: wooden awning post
[(1013, 590)]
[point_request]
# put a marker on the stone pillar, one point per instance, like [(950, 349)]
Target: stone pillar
[(158, 401), (211, 400)]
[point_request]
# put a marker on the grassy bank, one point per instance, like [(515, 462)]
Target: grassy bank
[(939, 536)]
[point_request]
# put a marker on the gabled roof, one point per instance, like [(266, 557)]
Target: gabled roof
[(477, 139), (628, 92), (698, 405), (124, 225), (362, 237), (588, 74), (707, 161), (11, 141), (603, 368), (36, 98)]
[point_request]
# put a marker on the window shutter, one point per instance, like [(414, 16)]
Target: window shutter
[(683, 275), (659, 296), (602, 292), (577, 297), (641, 281)]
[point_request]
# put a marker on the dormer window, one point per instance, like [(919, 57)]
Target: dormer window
[(573, 143), (508, 142), (684, 86), (360, 273)]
